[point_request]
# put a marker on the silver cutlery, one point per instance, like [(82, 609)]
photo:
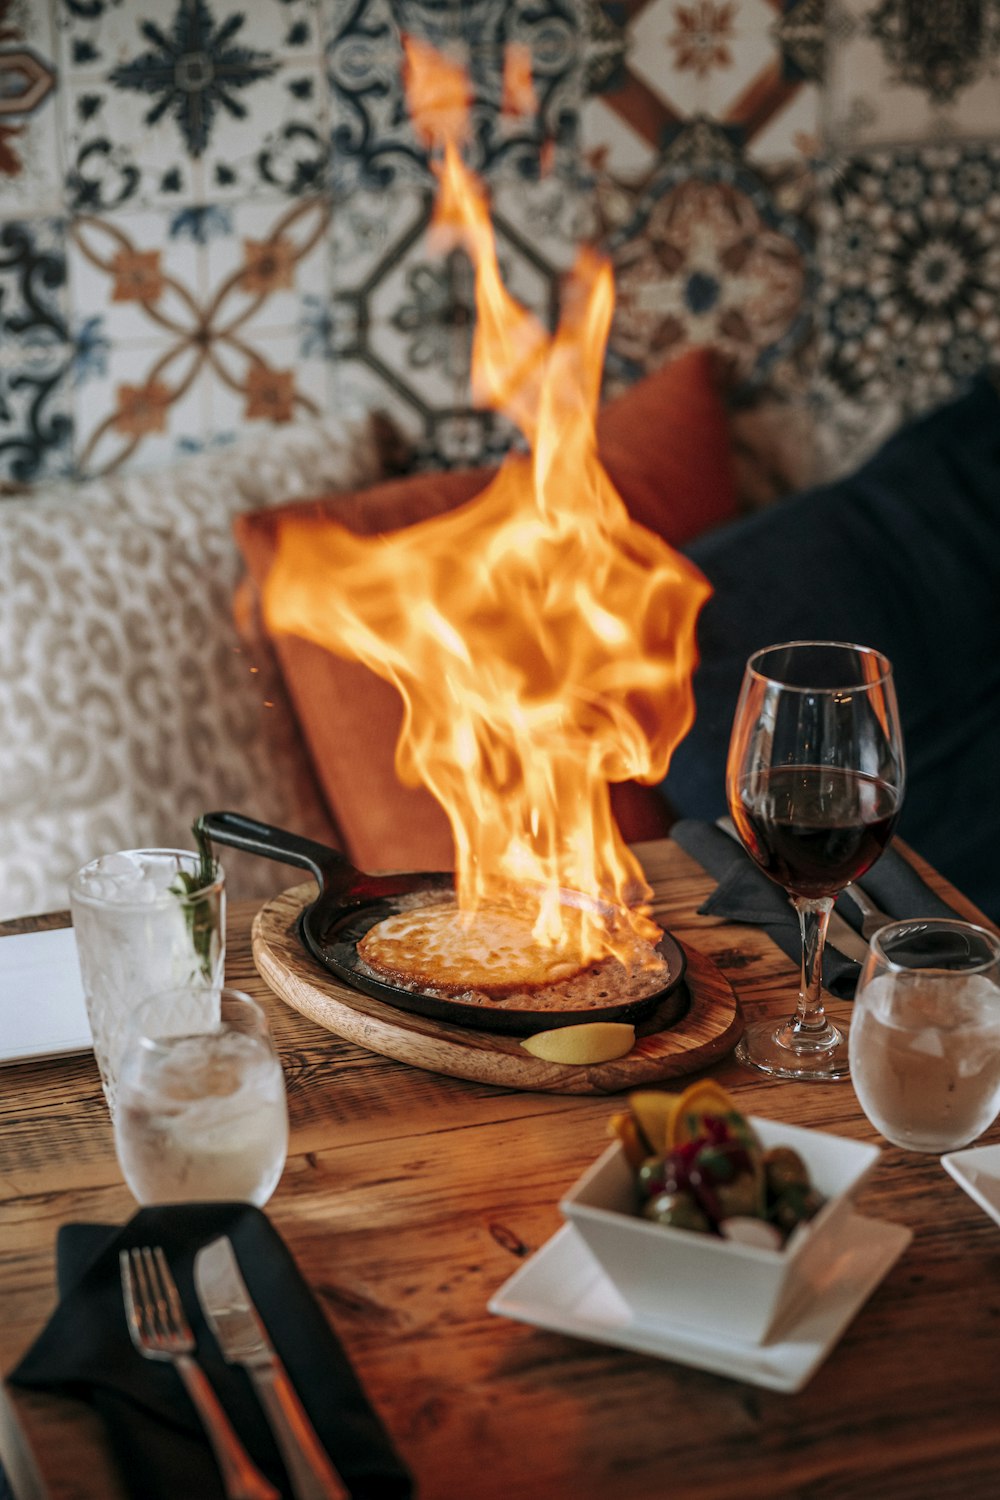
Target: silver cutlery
[(243, 1339), (872, 917), (159, 1330)]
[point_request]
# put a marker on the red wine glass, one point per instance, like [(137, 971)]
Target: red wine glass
[(815, 781)]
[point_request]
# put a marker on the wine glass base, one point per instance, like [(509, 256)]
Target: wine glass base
[(783, 1051)]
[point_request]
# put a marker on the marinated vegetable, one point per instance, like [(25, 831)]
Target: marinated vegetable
[(698, 1165)]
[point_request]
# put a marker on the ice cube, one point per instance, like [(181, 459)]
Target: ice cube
[(928, 1042), (129, 879), (971, 1061)]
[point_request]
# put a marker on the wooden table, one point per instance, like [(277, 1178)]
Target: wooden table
[(410, 1197)]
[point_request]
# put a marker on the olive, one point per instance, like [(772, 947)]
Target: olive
[(677, 1211), (716, 1164), (784, 1168), (739, 1198), (651, 1176), (663, 1174), (796, 1204), (722, 1162)]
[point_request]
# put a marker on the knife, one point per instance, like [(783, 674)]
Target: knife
[(243, 1339)]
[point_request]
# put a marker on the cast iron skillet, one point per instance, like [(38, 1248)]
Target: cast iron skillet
[(349, 902)]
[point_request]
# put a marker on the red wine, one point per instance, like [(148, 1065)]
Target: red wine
[(814, 829)]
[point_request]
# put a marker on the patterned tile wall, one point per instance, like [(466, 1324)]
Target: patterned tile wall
[(214, 213)]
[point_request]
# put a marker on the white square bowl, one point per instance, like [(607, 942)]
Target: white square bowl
[(700, 1280)]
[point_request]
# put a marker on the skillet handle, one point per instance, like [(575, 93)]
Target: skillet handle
[(238, 832)]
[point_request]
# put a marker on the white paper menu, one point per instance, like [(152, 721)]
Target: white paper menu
[(42, 1010)]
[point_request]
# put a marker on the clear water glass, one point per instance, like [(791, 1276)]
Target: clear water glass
[(138, 930), (925, 1033), (202, 1115)]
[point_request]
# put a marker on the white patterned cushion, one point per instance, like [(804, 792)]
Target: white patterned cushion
[(129, 700)]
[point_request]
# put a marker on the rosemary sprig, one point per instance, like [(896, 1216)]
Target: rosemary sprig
[(199, 915)]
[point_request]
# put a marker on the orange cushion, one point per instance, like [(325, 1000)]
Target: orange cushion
[(666, 445)]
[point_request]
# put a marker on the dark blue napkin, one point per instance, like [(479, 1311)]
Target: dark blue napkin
[(156, 1436), (745, 894)]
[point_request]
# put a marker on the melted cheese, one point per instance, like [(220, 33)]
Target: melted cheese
[(436, 948), (492, 959)]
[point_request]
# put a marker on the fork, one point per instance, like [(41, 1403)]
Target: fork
[(872, 917), (159, 1330)]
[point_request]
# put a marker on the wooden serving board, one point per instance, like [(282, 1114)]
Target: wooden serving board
[(709, 1029)]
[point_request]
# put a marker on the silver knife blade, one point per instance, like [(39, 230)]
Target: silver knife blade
[(243, 1340)]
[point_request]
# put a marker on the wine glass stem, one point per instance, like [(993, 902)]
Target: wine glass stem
[(814, 918)]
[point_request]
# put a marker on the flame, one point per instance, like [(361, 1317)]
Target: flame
[(518, 81), (543, 643), (438, 92)]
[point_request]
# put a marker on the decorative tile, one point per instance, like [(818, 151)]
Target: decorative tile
[(157, 402), (30, 148), (368, 229), (35, 351), (701, 56), (248, 204), (900, 72), (146, 282), (206, 102), (115, 161), (136, 403), (286, 154), (712, 254), (360, 385), (404, 311), (97, 35), (910, 266), (445, 434), (374, 143), (621, 122), (752, 66), (261, 270), (280, 384), (555, 215), (426, 289), (201, 329)]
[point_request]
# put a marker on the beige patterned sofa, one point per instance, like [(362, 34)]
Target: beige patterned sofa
[(132, 697)]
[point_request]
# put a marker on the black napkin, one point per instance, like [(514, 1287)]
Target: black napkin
[(85, 1351), (745, 894), (894, 885)]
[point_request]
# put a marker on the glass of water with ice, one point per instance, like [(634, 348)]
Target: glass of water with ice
[(925, 1033), (201, 1111), (144, 920)]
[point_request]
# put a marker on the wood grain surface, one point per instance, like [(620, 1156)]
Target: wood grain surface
[(667, 1045), (410, 1196)]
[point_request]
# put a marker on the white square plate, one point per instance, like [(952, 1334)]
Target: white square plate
[(42, 1009), (563, 1288), (977, 1170), (707, 1283)]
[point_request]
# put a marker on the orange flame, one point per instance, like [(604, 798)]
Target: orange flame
[(543, 643), (438, 93), (518, 82)]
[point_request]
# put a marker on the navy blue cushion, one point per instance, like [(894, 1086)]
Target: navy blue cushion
[(903, 555)]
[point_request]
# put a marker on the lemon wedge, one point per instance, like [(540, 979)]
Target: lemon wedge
[(635, 1147), (593, 1042), (654, 1114), (706, 1097)]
